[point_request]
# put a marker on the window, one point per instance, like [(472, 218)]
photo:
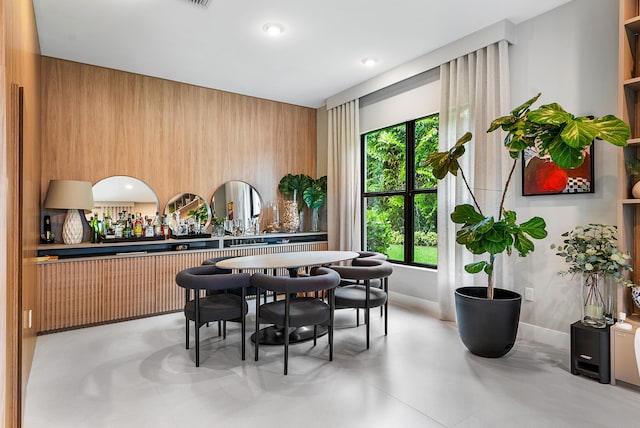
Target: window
[(399, 192)]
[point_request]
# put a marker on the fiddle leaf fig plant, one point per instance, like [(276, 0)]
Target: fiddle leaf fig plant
[(554, 132)]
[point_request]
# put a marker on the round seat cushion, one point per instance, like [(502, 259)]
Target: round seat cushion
[(354, 296), (375, 283), (216, 307), (302, 311)]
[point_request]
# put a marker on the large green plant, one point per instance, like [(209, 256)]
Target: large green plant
[(294, 185), (316, 194), (561, 135)]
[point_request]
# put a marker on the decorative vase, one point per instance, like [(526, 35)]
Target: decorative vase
[(635, 295), (593, 300), (635, 190), (301, 221), (289, 218), (314, 220)]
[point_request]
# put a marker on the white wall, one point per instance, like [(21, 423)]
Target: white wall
[(570, 55)]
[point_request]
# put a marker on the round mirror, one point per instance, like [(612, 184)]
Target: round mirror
[(188, 214), (237, 205), (121, 193)]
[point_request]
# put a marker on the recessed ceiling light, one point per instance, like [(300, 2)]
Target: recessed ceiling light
[(128, 186), (369, 62), (273, 30)]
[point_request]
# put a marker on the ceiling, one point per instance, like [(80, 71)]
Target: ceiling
[(223, 45)]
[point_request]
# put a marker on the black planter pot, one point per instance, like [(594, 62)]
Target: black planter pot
[(488, 328)]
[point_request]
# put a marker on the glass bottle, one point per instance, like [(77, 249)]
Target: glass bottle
[(157, 225), (137, 228)]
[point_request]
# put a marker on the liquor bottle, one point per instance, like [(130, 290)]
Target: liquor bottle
[(128, 228), (137, 228), (157, 225), (118, 228), (166, 230), (148, 231)]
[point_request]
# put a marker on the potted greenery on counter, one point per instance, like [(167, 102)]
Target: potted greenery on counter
[(315, 196), (553, 131)]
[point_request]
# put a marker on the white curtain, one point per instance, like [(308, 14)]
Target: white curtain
[(474, 91), (343, 178)]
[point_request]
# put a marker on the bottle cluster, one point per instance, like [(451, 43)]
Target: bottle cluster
[(128, 226)]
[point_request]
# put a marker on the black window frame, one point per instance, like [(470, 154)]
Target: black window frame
[(409, 193)]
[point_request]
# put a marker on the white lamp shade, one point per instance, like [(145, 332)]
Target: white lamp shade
[(69, 194)]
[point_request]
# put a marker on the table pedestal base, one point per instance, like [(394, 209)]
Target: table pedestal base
[(275, 335)]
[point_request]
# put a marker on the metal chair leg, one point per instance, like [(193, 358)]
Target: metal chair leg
[(367, 284), (197, 299), (286, 333), (257, 334)]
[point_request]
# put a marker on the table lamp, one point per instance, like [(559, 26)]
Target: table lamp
[(71, 195)]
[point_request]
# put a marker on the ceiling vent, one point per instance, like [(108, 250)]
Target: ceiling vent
[(203, 3)]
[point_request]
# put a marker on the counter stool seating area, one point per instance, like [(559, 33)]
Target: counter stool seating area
[(363, 296), (296, 311), (215, 305)]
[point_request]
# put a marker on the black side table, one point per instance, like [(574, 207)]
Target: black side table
[(590, 351)]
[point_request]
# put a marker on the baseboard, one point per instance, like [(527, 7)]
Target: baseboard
[(427, 307), (547, 336)]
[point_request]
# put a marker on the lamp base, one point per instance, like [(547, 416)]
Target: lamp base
[(72, 228)]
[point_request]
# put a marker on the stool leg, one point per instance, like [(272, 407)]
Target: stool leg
[(315, 335), (219, 327), (224, 329)]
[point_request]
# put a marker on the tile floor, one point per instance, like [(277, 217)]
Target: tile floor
[(138, 374)]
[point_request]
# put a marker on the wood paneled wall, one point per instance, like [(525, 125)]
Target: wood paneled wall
[(98, 122), (19, 200)]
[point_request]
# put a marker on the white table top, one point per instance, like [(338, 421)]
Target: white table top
[(287, 260)]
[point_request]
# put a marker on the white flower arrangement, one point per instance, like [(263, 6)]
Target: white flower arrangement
[(594, 249)]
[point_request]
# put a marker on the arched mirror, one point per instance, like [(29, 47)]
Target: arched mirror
[(120, 193), (239, 205), (188, 214)]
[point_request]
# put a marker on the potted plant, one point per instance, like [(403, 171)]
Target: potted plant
[(315, 196), (488, 316), (592, 251)]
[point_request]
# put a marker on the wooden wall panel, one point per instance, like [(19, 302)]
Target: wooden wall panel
[(98, 122), (19, 65)]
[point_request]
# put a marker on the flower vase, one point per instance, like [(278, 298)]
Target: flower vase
[(290, 220), (314, 220), (593, 301)]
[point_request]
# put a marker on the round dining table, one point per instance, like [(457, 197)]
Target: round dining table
[(291, 261)]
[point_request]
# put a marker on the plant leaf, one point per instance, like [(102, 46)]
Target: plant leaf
[(613, 130), (475, 267), (579, 133), (523, 244), (535, 228), (565, 156), (549, 114), (466, 214), (524, 106)]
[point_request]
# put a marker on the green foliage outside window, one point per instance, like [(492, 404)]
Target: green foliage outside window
[(385, 171)]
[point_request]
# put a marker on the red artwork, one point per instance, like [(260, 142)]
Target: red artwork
[(541, 176)]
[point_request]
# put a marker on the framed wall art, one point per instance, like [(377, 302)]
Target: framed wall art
[(540, 176)]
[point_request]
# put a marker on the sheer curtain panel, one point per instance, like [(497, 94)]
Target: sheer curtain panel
[(475, 90), (343, 178)]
